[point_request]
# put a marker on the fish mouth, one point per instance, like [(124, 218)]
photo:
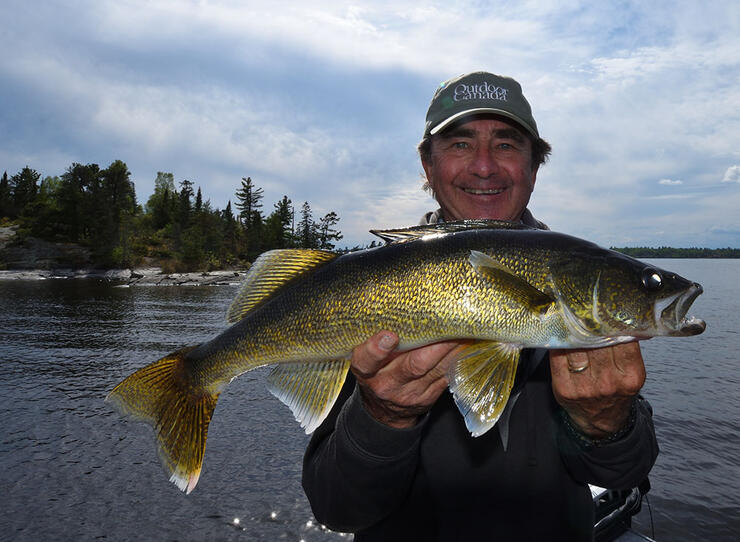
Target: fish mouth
[(671, 313)]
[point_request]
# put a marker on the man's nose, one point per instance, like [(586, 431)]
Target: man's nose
[(484, 163)]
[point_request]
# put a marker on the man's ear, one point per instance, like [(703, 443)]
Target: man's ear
[(428, 165)]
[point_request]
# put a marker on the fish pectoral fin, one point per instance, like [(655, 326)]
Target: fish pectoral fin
[(510, 283), (308, 389), (270, 272), (481, 381)]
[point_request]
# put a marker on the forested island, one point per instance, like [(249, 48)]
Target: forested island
[(96, 214)]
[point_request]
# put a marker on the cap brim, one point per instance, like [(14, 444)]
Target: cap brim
[(442, 125)]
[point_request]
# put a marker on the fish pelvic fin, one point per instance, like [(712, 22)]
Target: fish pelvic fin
[(270, 272), (481, 381), (309, 389), (159, 395)]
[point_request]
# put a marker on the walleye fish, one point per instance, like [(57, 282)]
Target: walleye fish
[(504, 285)]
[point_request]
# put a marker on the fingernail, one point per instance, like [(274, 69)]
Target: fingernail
[(387, 342)]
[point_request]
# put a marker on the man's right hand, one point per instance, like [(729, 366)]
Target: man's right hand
[(399, 387)]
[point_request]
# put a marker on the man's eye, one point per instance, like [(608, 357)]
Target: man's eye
[(460, 145)]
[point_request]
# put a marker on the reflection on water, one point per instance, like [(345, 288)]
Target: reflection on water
[(73, 469)]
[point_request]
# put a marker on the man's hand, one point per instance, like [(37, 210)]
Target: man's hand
[(398, 388), (596, 387)]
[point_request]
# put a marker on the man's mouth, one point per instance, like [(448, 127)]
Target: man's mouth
[(483, 192)]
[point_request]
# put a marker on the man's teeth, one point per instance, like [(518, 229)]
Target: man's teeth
[(483, 192)]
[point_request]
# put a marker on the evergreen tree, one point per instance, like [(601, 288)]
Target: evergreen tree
[(230, 233), (249, 203), (307, 231), (115, 204), (23, 187), (249, 199), (162, 203), (44, 216), (6, 198), (279, 225), (185, 204), (326, 231), (79, 201), (198, 201)]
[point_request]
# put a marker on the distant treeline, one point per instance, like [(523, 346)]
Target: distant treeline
[(176, 227), (670, 252)]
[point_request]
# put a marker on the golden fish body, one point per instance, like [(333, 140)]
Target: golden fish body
[(505, 286)]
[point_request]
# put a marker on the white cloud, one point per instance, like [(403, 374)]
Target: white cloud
[(325, 102), (732, 175)]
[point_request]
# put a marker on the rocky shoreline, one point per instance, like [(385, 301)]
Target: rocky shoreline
[(149, 276), (35, 259)]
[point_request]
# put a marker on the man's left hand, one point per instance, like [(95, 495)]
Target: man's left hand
[(596, 387)]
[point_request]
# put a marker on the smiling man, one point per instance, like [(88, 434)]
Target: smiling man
[(394, 461)]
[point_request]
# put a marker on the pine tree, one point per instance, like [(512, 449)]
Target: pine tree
[(230, 233), (307, 234), (23, 186), (326, 231), (198, 201), (116, 206), (280, 224), (6, 198), (185, 204), (248, 202), (80, 202)]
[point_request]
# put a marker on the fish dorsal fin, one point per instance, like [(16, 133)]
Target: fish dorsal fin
[(510, 283), (308, 389), (428, 231), (481, 381), (271, 271)]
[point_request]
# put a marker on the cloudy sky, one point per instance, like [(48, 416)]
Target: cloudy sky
[(324, 101)]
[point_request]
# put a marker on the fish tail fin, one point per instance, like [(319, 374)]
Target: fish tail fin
[(160, 395)]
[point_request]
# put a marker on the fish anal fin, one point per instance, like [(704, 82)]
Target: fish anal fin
[(270, 272), (481, 381), (158, 394), (510, 283), (308, 389)]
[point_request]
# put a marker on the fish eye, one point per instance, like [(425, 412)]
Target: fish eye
[(652, 279)]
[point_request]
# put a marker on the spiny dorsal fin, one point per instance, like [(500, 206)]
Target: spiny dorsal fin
[(427, 231), (481, 381), (271, 271), (309, 389), (509, 282)]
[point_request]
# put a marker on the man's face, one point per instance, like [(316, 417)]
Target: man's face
[(481, 168)]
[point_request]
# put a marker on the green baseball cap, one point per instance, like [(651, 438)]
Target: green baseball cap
[(479, 92)]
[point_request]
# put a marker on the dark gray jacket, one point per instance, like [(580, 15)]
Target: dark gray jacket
[(436, 482)]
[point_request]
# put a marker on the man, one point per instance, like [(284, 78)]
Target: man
[(394, 461)]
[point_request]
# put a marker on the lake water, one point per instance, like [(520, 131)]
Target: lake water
[(73, 469)]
